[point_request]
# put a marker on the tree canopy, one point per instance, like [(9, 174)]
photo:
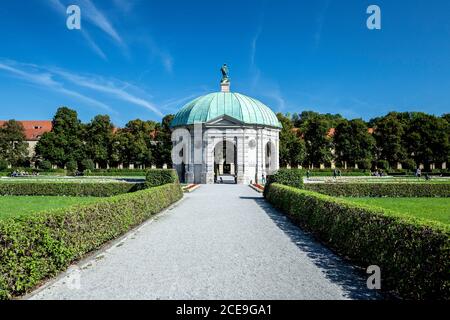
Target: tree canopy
[(13, 147)]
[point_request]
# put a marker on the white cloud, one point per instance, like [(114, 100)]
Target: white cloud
[(58, 80), (93, 45), (116, 90), (156, 50), (94, 16), (46, 81)]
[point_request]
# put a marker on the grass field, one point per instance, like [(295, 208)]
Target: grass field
[(22, 205), (437, 209)]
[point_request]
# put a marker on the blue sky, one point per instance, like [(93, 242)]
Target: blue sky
[(147, 58)]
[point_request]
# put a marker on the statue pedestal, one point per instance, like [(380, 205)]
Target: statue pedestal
[(225, 87)]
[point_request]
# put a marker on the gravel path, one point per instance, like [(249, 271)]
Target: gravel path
[(219, 242)]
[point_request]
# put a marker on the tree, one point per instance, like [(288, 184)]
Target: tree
[(65, 142), (3, 164), (301, 121), (318, 142), (427, 140), (354, 144), (292, 147), (99, 133), (163, 146), (13, 147), (446, 117), (119, 152), (388, 133), (141, 148), (134, 144)]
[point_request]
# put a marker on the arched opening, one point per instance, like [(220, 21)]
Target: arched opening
[(225, 162)]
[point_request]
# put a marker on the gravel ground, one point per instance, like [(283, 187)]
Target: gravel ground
[(219, 242)]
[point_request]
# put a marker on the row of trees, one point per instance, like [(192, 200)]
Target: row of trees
[(76, 145), (409, 138), (307, 139), (141, 143)]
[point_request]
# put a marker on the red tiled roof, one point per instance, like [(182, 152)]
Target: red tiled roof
[(34, 129)]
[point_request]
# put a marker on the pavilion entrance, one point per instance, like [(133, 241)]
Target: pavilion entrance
[(225, 162)]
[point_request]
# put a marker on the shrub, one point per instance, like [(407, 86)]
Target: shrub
[(3, 165), (92, 189), (87, 165), (158, 177), (381, 189), (409, 164), (40, 245), (383, 164), (365, 164), (289, 177), (45, 165), (72, 166), (414, 256)]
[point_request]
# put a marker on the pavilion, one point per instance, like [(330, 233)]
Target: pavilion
[(225, 135)]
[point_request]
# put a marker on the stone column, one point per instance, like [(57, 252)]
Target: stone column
[(240, 158)]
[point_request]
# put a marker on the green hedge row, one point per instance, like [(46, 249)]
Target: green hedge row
[(414, 256), (40, 245), (329, 172), (288, 177), (116, 172), (381, 189), (158, 177), (91, 189)]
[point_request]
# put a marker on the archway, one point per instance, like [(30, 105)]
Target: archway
[(225, 162)]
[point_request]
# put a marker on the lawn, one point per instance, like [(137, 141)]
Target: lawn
[(22, 205), (437, 209)]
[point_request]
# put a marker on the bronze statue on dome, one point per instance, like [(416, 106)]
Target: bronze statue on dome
[(224, 70)]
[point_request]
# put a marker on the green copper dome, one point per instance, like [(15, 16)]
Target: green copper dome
[(235, 105)]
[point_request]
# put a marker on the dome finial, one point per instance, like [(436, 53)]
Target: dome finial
[(225, 82)]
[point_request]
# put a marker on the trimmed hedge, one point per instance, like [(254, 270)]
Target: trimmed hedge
[(288, 177), (414, 255), (381, 189), (84, 189), (38, 246), (328, 172), (158, 177), (116, 172)]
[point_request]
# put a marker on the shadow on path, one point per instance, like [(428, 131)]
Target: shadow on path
[(335, 268)]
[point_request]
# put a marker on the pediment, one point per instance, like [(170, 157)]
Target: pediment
[(224, 121)]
